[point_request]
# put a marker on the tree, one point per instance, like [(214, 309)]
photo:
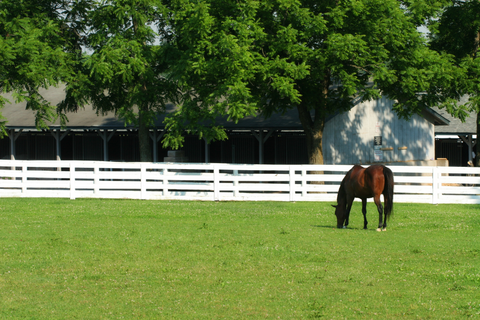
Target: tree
[(457, 32), (259, 57), (32, 54), (124, 69)]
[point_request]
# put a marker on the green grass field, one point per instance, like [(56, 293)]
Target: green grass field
[(126, 259)]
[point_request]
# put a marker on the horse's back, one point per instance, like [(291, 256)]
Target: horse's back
[(355, 182), (367, 182), (375, 169), (376, 174)]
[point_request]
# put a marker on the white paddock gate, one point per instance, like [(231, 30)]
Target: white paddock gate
[(223, 182)]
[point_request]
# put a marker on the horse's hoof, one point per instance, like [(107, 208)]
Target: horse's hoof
[(384, 229), (344, 227), (379, 229)]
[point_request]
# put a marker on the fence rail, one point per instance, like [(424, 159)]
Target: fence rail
[(223, 182)]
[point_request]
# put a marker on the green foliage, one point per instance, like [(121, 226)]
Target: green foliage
[(125, 68), (457, 32), (32, 54), (233, 58), (92, 259), (260, 57)]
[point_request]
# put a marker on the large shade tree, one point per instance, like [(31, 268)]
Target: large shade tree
[(249, 57), (124, 66), (34, 53), (457, 32), (232, 58)]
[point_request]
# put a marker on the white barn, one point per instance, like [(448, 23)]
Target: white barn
[(372, 132)]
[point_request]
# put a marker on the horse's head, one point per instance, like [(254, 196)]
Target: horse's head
[(340, 212)]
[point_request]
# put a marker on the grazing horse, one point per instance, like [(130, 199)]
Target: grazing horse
[(365, 183)]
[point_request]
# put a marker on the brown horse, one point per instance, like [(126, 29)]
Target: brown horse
[(365, 183)]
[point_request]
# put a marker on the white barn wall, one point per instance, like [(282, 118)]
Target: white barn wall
[(348, 137)]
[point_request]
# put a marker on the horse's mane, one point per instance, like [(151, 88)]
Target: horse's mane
[(342, 194)]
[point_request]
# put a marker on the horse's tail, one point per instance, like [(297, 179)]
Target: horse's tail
[(388, 191)]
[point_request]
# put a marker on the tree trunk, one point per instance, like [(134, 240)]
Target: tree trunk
[(476, 161), (314, 123), (314, 145), (313, 128), (146, 154)]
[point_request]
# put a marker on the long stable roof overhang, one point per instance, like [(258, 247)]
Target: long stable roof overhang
[(18, 117)]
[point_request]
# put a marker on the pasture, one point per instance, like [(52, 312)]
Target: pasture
[(129, 259)]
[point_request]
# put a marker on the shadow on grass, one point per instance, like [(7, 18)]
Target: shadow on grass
[(347, 228), (325, 227)]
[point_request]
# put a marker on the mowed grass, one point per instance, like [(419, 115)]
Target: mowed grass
[(126, 259)]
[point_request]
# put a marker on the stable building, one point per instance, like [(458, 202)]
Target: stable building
[(456, 142), (105, 137), (370, 132)]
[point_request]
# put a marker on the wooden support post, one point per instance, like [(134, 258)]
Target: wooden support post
[(261, 141), (207, 150), (106, 136), (13, 137), (58, 139), (468, 141), (156, 137)]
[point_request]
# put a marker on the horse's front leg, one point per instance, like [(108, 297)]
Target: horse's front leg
[(364, 211), (382, 223), (349, 208)]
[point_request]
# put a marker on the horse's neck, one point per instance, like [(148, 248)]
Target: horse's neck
[(341, 195)]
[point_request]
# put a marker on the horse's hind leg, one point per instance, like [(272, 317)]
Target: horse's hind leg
[(381, 222), (364, 211)]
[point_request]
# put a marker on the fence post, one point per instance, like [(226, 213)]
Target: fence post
[(292, 182), (216, 183), (96, 180), (24, 177), (304, 183), (72, 181), (235, 183), (435, 189), (165, 182), (143, 181)]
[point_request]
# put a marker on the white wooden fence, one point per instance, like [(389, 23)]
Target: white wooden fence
[(223, 182)]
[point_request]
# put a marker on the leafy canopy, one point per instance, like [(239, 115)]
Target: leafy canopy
[(32, 55), (457, 32), (250, 57)]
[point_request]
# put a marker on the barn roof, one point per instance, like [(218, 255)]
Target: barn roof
[(18, 117), (456, 126), (87, 118)]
